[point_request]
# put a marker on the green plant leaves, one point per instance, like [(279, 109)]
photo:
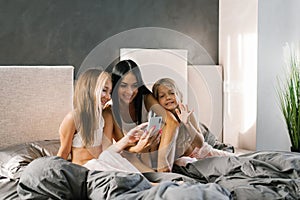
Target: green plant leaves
[(289, 97)]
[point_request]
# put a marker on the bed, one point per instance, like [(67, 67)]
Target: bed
[(34, 100)]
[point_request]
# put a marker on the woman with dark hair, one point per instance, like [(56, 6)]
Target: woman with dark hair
[(132, 101), (138, 90)]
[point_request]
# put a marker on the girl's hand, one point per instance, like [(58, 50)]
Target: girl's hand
[(183, 113)]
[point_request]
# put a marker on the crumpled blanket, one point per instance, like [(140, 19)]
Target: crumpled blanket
[(260, 175), (56, 178)]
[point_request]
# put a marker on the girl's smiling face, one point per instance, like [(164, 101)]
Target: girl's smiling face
[(106, 92), (128, 88), (167, 97)]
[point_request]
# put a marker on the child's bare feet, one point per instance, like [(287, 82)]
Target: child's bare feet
[(184, 160), (206, 151)]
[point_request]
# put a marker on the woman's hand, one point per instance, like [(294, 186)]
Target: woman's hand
[(184, 113), (136, 133), (146, 140), (129, 139)]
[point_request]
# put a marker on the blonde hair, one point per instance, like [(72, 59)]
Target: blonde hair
[(85, 106), (170, 83), (103, 77)]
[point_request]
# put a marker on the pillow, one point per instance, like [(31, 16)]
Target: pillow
[(14, 159), (47, 147)]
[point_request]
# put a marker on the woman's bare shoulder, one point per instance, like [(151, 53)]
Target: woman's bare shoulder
[(107, 114), (68, 124), (69, 117), (149, 100), (107, 111)]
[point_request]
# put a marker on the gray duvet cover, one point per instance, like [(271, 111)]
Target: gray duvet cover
[(260, 175), (55, 178)]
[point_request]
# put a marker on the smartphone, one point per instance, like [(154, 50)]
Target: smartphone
[(155, 121)]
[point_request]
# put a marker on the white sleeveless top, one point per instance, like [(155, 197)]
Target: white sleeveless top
[(127, 126), (77, 140)]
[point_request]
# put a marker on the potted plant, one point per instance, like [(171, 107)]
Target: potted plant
[(289, 96)]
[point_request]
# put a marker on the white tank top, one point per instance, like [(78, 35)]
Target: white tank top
[(127, 126), (77, 140)]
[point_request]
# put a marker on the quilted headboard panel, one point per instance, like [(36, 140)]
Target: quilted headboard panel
[(33, 102)]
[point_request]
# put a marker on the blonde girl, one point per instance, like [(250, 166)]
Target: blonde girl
[(190, 141)]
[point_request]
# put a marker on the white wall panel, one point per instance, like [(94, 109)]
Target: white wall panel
[(160, 63), (205, 96)]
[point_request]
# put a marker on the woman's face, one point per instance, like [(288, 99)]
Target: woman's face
[(128, 88), (167, 97), (106, 92)]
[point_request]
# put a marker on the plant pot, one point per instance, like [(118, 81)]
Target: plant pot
[(293, 149)]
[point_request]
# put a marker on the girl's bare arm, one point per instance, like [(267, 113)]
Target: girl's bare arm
[(67, 130), (169, 132)]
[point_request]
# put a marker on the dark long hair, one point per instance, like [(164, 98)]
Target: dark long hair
[(121, 69)]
